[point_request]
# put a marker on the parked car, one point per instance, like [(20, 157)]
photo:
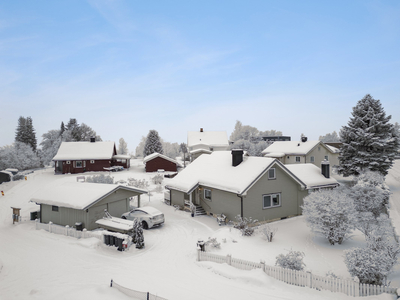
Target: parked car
[(149, 216)]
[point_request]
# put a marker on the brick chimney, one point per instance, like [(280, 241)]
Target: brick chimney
[(237, 157), (92, 139), (325, 168)]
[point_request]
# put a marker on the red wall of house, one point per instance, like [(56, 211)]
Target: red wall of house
[(160, 163), (98, 165)]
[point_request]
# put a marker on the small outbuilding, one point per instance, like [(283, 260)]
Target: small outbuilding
[(5, 176), (157, 161), (81, 202)]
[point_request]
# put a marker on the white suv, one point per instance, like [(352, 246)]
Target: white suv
[(149, 216)]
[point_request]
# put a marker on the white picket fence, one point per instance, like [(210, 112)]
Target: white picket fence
[(67, 231), (350, 287)]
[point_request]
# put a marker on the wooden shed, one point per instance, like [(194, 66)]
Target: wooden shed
[(157, 161), (81, 202)]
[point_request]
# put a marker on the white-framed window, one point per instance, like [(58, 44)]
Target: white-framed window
[(326, 157), (207, 194), (54, 208), (92, 161), (271, 173), (312, 159), (123, 161), (68, 162), (79, 164), (297, 158), (271, 200)]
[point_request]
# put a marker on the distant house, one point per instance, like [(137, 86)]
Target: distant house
[(205, 142), (82, 202), (304, 151), (5, 176), (233, 184), (274, 138), (80, 157), (157, 161)]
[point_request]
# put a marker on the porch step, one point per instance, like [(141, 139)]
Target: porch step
[(200, 211)]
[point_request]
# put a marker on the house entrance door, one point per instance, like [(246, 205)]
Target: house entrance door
[(196, 198)]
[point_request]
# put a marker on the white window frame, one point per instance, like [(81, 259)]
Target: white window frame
[(327, 157), (312, 159), (54, 208), (79, 164), (68, 162), (205, 196), (92, 161), (269, 174), (272, 200), (299, 158)]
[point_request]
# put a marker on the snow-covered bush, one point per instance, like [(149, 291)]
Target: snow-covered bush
[(157, 179), (159, 188), (101, 178), (293, 260), (139, 183), (269, 231), (330, 213), (374, 263), (243, 225), (213, 243), (370, 193)]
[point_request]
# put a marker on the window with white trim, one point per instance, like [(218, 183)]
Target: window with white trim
[(92, 161), (326, 157), (271, 200), (68, 162), (54, 208), (312, 159), (297, 158), (79, 164), (207, 194), (271, 173)]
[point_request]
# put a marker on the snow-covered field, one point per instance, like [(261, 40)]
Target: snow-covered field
[(39, 265)]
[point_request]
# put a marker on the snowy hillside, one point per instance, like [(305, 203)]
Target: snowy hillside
[(35, 264)]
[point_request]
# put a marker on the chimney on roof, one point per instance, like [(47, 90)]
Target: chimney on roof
[(92, 139), (325, 168), (201, 129), (304, 139), (237, 157)]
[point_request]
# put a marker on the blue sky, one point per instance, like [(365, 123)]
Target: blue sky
[(125, 67)]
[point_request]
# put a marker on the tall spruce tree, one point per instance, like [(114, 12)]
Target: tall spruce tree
[(62, 128), (25, 132), (31, 134), (153, 144), (369, 140)]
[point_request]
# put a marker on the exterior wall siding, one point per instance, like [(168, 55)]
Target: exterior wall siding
[(98, 165), (160, 163), (177, 198)]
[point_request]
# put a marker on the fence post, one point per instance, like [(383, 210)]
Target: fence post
[(66, 230), (148, 296), (262, 263), (84, 233), (356, 287), (50, 223), (309, 279), (229, 259), (198, 254)]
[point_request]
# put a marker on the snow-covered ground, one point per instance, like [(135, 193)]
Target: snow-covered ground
[(39, 265)]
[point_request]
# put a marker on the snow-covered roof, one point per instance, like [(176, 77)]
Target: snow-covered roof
[(211, 138), (311, 175), (332, 149), (293, 147), (275, 154), (117, 223), (200, 151), (85, 150), (77, 195), (121, 156), (216, 171), (12, 170), (155, 154), (7, 172)]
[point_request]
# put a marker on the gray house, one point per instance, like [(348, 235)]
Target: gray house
[(81, 202), (230, 183)]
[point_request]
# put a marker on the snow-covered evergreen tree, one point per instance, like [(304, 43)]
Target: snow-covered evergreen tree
[(330, 213), (85, 132), (140, 148), (139, 236), (19, 156), (153, 144), (122, 147), (369, 140), (25, 132), (62, 128), (170, 149), (73, 129)]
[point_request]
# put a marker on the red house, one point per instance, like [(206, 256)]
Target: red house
[(80, 157), (157, 161)]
